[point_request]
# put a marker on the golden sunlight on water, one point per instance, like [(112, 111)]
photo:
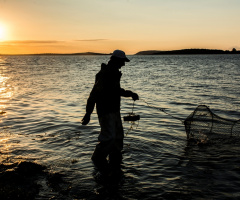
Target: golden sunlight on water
[(6, 91)]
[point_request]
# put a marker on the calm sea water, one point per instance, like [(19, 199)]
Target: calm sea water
[(43, 100)]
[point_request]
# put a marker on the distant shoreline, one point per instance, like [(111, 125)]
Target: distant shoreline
[(188, 52), (147, 52)]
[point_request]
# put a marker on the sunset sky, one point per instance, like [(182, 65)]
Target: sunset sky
[(71, 26)]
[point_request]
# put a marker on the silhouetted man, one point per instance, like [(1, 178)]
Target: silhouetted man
[(106, 94)]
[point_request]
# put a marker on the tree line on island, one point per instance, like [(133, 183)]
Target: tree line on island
[(188, 51)]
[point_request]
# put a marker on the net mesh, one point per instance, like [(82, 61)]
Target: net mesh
[(203, 124)]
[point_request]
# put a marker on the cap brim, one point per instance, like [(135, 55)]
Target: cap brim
[(127, 60)]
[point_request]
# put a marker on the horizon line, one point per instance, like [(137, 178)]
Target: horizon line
[(96, 53)]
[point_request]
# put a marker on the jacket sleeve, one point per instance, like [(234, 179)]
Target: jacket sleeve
[(91, 102), (94, 95), (125, 93)]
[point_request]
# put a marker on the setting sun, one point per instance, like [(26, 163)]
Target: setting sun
[(2, 32)]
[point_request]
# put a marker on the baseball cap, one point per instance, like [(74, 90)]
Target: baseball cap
[(120, 54)]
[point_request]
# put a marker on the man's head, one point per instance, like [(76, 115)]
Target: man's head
[(120, 54), (119, 58)]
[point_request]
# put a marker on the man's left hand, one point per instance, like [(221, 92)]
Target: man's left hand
[(86, 119)]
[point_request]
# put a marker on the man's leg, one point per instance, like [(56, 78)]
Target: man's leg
[(115, 156), (111, 142), (99, 158), (105, 144)]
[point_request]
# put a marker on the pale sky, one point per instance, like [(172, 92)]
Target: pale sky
[(72, 26)]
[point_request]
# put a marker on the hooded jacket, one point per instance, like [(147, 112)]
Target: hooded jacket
[(106, 92)]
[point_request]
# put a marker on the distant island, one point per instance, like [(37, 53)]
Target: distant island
[(188, 51)]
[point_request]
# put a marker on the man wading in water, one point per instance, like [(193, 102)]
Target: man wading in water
[(106, 94)]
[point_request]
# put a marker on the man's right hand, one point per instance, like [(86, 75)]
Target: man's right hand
[(86, 119), (135, 96)]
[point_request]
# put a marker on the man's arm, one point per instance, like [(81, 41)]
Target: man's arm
[(89, 109), (128, 93), (91, 103)]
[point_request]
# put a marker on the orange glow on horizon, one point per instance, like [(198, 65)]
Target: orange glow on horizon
[(129, 46)]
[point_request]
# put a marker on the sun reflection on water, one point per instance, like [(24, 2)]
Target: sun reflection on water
[(6, 91)]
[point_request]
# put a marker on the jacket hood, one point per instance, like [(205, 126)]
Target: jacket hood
[(103, 66)]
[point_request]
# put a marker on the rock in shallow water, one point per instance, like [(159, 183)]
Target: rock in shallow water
[(18, 180)]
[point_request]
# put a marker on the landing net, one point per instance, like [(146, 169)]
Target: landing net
[(203, 124)]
